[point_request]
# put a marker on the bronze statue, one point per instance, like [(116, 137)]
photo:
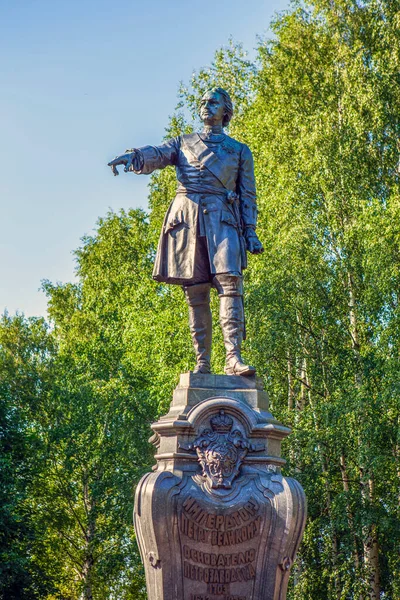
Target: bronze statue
[(208, 227)]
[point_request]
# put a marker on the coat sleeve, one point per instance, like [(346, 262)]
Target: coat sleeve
[(150, 158), (246, 188)]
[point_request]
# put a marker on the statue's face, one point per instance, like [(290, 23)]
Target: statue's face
[(212, 108)]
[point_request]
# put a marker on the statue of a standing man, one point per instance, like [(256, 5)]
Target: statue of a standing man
[(208, 227)]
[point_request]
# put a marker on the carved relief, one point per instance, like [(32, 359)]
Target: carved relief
[(221, 451), (154, 560), (286, 564)]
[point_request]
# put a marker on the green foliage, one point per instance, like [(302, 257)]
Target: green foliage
[(25, 365), (324, 130), (320, 111)]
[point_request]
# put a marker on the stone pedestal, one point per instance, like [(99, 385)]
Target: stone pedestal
[(216, 520)]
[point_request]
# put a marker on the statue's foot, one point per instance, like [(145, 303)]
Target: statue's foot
[(203, 369), (239, 368)]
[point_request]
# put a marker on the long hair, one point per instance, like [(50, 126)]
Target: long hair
[(227, 102)]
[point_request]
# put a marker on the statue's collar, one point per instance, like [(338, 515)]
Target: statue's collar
[(212, 134)]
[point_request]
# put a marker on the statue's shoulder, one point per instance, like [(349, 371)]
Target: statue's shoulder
[(233, 146), (242, 149), (233, 142), (239, 145), (188, 137)]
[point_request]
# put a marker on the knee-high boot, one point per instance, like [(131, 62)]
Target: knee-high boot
[(200, 323), (231, 318)]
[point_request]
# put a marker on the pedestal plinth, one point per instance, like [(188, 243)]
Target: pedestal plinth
[(216, 520)]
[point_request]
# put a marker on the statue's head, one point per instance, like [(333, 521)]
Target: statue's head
[(218, 100)]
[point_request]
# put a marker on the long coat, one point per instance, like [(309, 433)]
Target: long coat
[(206, 173)]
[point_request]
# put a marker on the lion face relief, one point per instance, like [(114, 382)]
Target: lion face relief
[(220, 464)]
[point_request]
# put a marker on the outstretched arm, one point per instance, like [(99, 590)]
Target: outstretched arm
[(147, 159)]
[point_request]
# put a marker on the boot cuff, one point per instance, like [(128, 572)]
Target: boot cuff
[(197, 294)]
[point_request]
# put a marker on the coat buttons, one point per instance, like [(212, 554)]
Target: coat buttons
[(205, 211)]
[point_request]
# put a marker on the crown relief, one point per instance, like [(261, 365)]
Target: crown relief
[(222, 423)]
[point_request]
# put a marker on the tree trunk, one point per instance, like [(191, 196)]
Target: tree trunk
[(350, 517), (301, 402), (355, 338), (335, 545), (86, 576), (370, 542), (291, 390), (87, 568)]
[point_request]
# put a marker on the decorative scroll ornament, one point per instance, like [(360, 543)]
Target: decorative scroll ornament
[(221, 451)]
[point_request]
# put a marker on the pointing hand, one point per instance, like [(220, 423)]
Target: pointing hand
[(124, 159)]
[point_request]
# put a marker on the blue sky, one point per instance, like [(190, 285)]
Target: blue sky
[(81, 80)]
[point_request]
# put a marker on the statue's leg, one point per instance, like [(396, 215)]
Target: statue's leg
[(231, 318), (200, 323)]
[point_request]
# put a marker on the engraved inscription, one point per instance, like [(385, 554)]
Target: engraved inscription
[(219, 560), (234, 528), (212, 554), (210, 575), (240, 563)]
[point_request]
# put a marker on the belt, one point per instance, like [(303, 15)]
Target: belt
[(228, 195)]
